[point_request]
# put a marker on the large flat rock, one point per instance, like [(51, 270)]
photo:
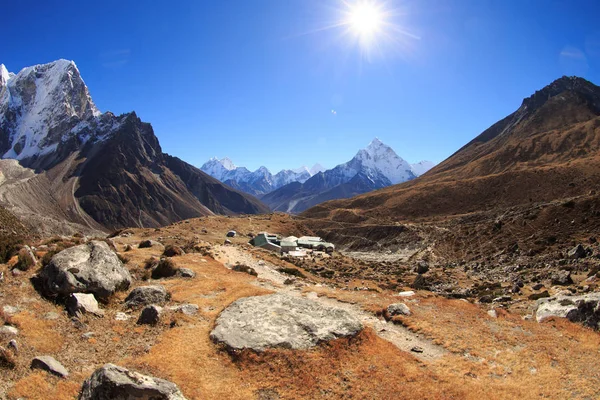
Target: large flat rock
[(281, 320)]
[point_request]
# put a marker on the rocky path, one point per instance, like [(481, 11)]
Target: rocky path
[(270, 278)]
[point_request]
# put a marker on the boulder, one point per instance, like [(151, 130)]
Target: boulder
[(584, 309), (83, 303), (49, 364), (280, 320), (244, 268), (577, 252), (398, 309), (113, 382), (150, 315), (145, 295), (146, 244), (26, 258), (87, 268)]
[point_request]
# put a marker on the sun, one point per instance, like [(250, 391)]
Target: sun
[(365, 19)]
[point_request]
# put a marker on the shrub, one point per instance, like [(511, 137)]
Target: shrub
[(292, 271)]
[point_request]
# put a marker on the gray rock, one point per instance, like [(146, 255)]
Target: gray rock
[(118, 383), (88, 268), (120, 316), (187, 309), (493, 313), (231, 233), (51, 315), (145, 295), (49, 364), (562, 278), (584, 309), (186, 273), (398, 309), (13, 345), (279, 320), (150, 315), (577, 252), (10, 310), (83, 303), (8, 330)]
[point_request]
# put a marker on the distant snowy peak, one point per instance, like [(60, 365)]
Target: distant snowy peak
[(381, 157), (227, 164), (316, 169), (421, 167), (42, 100), (4, 75)]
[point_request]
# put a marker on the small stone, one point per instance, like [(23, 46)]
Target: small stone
[(10, 310), (227, 242), (186, 273), (49, 364), (577, 252), (408, 293), (88, 335), (231, 233), (83, 303), (187, 309), (502, 299), (121, 316), (486, 298), (13, 345), (417, 349), (150, 315), (562, 278), (493, 313), (8, 330), (537, 296), (51, 315), (398, 309), (537, 286)]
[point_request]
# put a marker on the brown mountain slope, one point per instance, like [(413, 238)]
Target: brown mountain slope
[(530, 181), (546, 150)]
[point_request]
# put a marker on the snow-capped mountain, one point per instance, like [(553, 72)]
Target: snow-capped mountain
[(373, 167), (421, 167), (257, 183), (37, 104), (95, 169), (316, 169)]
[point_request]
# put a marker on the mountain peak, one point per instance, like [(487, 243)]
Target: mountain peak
[(561, 85), (315, 169), (4, 75), (43, 97)]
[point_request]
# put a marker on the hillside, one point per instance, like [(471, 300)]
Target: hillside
[(541, 156)]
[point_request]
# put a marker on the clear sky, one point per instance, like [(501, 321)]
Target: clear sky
[(257, 80)]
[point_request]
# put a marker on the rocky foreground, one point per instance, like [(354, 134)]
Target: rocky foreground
[(174, 313)]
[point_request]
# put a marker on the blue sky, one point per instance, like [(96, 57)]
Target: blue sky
[(257, 80)]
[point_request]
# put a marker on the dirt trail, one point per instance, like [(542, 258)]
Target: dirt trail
[(270, 278)]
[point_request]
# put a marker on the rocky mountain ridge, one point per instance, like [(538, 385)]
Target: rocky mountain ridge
[(105, 171)]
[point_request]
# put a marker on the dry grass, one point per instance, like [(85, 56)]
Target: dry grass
[(39, 334), (41, 386)]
